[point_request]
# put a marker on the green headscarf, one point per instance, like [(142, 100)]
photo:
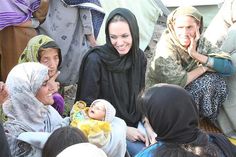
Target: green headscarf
[(31, 52)]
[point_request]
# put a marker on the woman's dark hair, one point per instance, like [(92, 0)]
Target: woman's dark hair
[(61, 139), (117, 18)]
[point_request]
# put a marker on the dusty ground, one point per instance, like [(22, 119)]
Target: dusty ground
[(70, 91)]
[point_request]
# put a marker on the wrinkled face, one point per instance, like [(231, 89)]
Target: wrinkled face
[(44, 93), (97, 111), (50, 58), (185, 27), (120, 36)]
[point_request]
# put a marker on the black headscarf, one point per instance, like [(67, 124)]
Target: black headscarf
[(113, 60), (173, 115), (133, 64)]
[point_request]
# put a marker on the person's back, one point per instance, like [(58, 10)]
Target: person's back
[(173, 114)]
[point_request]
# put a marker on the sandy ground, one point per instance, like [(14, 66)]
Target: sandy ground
[(70, 91)]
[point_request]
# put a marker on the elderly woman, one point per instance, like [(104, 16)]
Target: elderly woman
[(185, 58), (28, 107), (173, 115)]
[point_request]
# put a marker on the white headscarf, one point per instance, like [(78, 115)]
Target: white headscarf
[(83, 150), (23, 108)]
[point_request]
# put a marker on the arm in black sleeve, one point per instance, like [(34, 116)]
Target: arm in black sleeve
[(90, 77)]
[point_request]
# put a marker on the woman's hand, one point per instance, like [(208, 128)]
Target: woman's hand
[(54, 86), (3, 93), (151, 135), (192, 49), (133, 134)]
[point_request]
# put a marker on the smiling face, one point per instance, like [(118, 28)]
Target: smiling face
[(97, 111), (185, 27), (120, 36), (50, 58), (44, 93)]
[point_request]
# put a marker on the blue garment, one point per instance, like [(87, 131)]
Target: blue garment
[(134, 147), (147, 152), (224, 66)]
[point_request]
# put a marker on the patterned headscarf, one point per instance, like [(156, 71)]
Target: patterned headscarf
[(169, 49), (23, 108), (183, 11), (31, 52)]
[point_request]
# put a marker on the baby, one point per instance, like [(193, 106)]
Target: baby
[(94, 121)]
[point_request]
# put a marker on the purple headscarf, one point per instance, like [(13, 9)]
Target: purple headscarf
[(14, 12)]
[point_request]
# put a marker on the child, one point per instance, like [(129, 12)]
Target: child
[(94, 121)]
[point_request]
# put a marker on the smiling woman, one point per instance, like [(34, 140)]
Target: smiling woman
[(44, 93), (115, 71), (120, 35), (29, 106)]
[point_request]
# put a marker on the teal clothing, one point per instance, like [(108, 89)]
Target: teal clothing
[(224, 66), (147, 152)]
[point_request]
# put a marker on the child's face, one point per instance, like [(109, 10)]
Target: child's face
[(97, 111), (50, 58)]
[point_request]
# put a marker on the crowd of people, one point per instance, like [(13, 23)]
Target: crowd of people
[(122, 108)]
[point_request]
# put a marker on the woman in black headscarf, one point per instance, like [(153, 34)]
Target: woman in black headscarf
[(173, 115), (116, 70)]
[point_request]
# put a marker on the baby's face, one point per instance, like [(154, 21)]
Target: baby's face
[(97, 111)]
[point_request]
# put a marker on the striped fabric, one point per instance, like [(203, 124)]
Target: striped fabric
[(13, 12)]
